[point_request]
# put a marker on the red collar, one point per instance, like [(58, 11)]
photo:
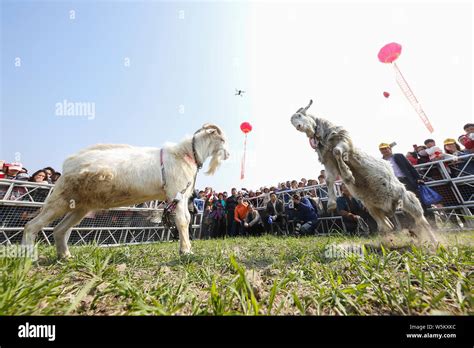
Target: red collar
[(190, 159)]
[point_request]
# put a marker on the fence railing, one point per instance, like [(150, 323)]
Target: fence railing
[(20, 201), (452, 178)]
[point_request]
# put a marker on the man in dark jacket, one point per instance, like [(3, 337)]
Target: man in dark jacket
[(230, 204), (305, 213), (406, 174), (352, 211), (276, 214), (403, 169)]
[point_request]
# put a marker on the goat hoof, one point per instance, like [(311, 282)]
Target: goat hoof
[(186, 252), (64, 256)]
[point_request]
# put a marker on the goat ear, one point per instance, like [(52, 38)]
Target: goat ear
[(211, 130)]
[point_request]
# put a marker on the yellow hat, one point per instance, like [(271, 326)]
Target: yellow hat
[(384, 146), (449, 141)]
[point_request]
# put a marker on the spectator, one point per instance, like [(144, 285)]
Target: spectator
[(412, 158), (49, 172), (288, 185), (55, 177), (22, 175), (322, 180), (231, 203), (423, 156), (207, 221), (429, 143), (218, 216), (265, 196), (304, 181), (38, 194), (314, 200), (199, 201), (253, 224), (350, 209), (403, 170), (282, 187), (294, 185), (305, 214), (40, 176), (451, 147), (433, 151), (467, 140), (276, 214), (458, 166), (406, 174), (241, 211), (2, 170), (11, 170), (323, 195)]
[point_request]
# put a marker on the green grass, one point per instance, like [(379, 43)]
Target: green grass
[(265, 275)]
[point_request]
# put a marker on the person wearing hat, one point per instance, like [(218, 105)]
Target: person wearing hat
[(405, 173), (451, 147)]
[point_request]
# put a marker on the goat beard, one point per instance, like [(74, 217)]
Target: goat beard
[(214, 164)]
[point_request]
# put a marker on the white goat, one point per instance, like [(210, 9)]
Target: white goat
[(369, 179), (107, 176)]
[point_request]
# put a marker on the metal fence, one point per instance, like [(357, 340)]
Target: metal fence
[(20, 201), (452, 178)]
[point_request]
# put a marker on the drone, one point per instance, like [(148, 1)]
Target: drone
[(239, 92)]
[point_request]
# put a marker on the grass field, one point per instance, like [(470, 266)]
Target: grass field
[(265, 275)]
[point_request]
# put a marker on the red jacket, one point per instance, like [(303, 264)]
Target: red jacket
[(241, 211)]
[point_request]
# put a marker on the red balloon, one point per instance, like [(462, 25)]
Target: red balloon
[(386, 94), (390, 52), (245, 127)]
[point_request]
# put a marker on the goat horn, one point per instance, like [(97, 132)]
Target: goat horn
[(212, 126), (307, 107)]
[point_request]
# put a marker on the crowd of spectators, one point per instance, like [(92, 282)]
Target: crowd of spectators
[(16, 171), (430, 152), (305, 207), (235, 214)]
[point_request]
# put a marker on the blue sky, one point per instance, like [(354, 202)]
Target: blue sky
[(174, 61), (281, 53)]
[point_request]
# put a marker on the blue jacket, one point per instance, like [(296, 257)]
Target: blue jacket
[(305, 211)]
